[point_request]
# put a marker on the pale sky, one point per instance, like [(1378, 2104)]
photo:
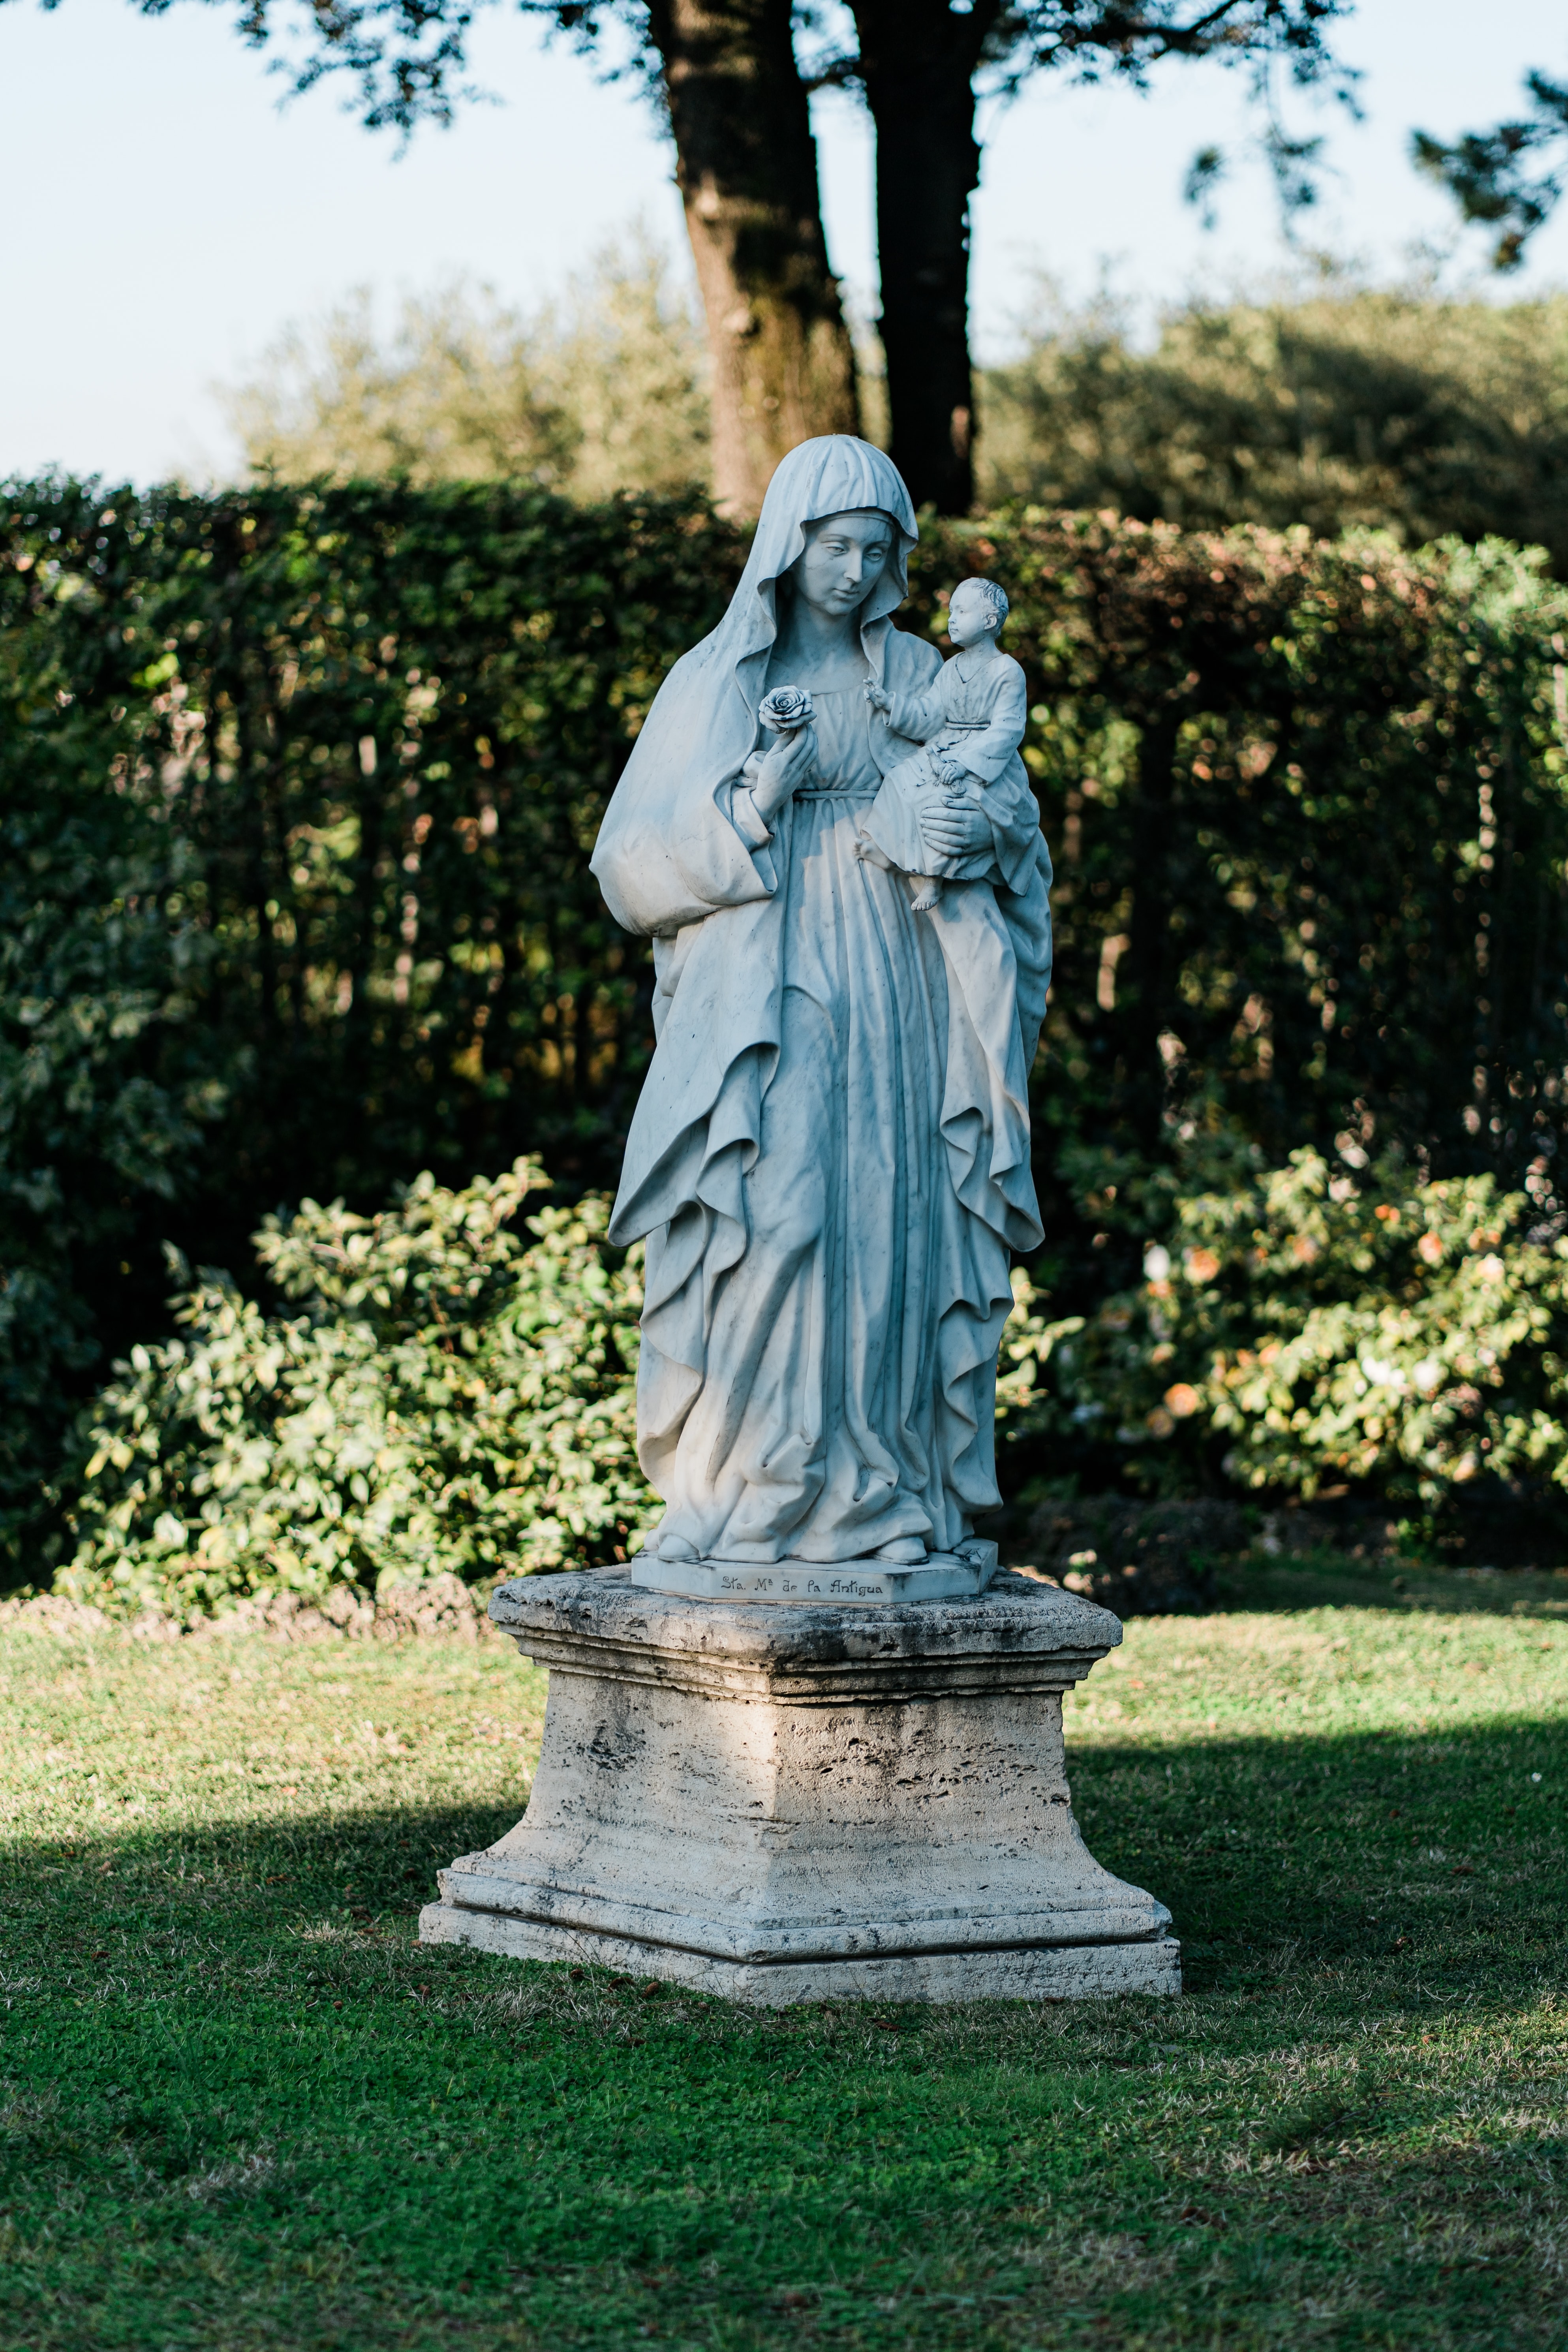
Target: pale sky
[(166, 218)]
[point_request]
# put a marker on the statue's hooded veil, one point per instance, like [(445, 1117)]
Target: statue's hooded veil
[(666, 853)]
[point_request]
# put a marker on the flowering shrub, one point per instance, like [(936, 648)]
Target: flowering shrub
[(452, 1398), (448, 1399), (1311, 1329)]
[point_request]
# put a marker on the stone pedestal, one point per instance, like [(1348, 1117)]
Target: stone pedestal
[(809, 1800)]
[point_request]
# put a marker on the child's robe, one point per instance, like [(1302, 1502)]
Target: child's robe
[(975, 713)]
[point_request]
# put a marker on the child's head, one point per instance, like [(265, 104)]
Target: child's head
[(977, 610)]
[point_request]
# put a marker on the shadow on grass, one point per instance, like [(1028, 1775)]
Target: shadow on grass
[(352, 1867), (244, 2111), (1400, 1851), (1406, 1851)]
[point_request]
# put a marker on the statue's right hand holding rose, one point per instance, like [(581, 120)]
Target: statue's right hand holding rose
[(791, 759)]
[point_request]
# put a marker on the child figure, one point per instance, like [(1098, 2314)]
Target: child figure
[(971, 720)]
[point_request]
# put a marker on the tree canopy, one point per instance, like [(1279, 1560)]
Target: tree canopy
[(605, 391), (733, 79), (1350, 408)]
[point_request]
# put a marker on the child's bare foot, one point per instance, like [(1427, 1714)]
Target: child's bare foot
[(927, 896)]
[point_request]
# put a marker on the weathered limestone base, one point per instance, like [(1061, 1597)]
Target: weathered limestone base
[(808, 1803)]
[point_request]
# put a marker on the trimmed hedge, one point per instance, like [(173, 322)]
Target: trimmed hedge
[(297, 789), (296, 793)]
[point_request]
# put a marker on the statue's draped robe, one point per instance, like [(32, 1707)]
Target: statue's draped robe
[(830, 1157)]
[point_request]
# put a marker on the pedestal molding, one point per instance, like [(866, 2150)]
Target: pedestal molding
[(888, 1680), (1065, 1972), (766, 1943)]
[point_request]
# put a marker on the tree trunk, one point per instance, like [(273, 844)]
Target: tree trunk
[(783, 368), (918, 60)]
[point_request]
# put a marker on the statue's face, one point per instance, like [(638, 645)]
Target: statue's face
[(845, 557), (970, 616)]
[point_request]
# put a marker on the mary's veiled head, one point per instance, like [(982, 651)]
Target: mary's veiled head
[(834, 475)]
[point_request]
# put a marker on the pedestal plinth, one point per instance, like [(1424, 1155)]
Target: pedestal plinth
[(808, 1801), (849, 1584)]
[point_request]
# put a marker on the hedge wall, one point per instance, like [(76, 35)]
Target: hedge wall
[(297, 788)]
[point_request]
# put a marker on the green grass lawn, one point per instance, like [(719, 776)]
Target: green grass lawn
[(243, 2109)]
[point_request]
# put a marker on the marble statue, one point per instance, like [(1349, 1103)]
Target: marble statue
[(860, 1793), (972, 723), (830, 1157)]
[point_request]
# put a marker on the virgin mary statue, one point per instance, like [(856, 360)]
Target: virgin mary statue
[(830, 1157)]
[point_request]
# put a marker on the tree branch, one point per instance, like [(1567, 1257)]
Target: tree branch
[(1128, 40), (1485, 171), (408, 58)]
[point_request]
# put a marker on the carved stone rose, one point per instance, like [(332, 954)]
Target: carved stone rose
[(786, 708)]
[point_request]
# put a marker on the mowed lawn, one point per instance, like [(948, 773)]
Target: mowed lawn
[(243, 2109)]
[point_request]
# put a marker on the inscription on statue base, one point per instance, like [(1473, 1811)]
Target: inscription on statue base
[(850, 1584)]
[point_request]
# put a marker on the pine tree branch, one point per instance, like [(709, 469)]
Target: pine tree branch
[(1487, 174)]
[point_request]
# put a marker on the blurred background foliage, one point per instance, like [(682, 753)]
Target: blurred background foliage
[(298, 783), (1339, 407), (1351, 408), (604, 390)]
